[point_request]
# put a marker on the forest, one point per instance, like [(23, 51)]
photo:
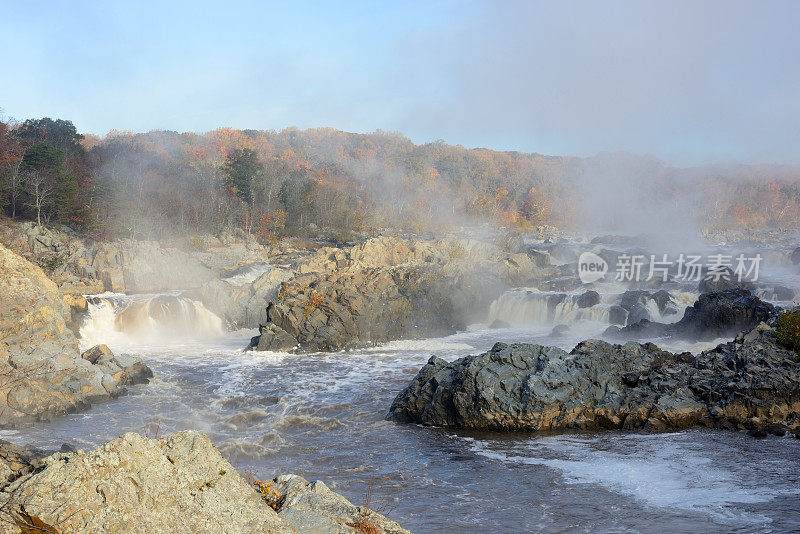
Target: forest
[(275, 183)]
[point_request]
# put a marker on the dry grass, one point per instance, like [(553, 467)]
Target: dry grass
[(374, 503)]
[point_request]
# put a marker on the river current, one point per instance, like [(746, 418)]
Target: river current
[(322, 416)]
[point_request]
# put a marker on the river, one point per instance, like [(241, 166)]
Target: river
[(322, 416)]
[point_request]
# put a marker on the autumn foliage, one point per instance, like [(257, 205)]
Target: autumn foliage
[(273, 183)]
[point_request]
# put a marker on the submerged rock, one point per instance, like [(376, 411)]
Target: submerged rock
[(746, 383)]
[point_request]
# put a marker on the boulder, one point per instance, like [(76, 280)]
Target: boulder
[(133, 484), (588, 299), (746, 383), (273, 338), (391, 288), (795, 256), (722, 314)]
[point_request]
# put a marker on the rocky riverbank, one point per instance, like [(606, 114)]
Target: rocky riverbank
[(749, 383), (179, 483), (42, 372)]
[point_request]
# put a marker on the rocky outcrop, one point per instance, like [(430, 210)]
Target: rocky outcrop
[(390, 288), (746, 383), (180, 483), (313, 507), (42, 373), (712, 316), (133, 484)]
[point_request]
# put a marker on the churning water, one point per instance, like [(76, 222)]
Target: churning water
[(322, 416)]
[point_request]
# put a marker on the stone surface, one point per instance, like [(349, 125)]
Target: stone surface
[(713, 315), (42, 373), (391, 288), (133, 484), (746, 383), (273, 338), (312, 508)]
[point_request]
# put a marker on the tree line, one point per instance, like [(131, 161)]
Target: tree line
[(273, 183)]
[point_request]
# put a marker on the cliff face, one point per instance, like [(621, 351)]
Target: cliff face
[(42, 373)]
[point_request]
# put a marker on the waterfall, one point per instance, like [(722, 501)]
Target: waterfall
[(521, 307), (531, 307), (143, 319)]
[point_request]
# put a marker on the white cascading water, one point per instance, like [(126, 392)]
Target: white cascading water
[(125, 320), (531, 307)]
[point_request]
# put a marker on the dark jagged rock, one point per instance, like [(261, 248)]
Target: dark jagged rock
[(272, 338), (723, 280), (712, 316), (747, 383), (663, 300), (588, 299), (722, 314), (795, 257)]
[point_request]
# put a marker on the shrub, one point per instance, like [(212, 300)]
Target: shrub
[(787, 330)]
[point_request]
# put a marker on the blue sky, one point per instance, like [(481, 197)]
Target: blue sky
[(687, 81)]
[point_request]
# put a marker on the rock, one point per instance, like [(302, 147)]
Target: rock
[(588, 299), (311, 507), (133, 484), (522, 387), (390, 288), (631, 298), (113, 280), (723, 280), (617, 315), (559, 330), (712, 316), (94, 354), (663, 300), (540, 258), (42, 373), (638, 312), (722, 314), (78, 308), (795, 256), (275, 339), (243, 305)]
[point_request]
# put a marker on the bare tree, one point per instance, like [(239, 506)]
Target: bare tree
[(40, 188)]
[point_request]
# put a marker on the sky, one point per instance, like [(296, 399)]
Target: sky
[(690, 82)]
